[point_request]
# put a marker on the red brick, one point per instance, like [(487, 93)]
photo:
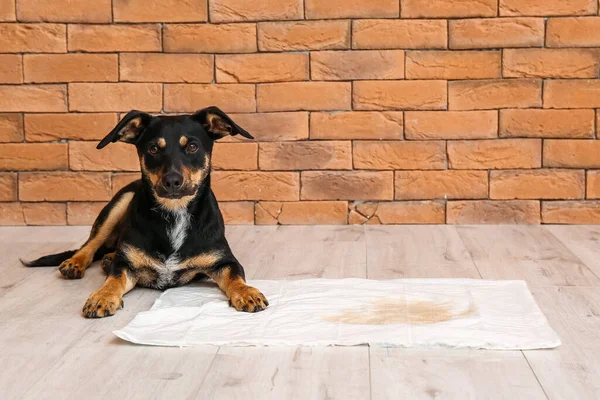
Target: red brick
[(400, 95), (33, 38), (547, 7), (424, 125), (209, 38), (495, 154), (255, 10), (33, 156), (50, 127), (452, 64), (384, 155), (83, 156), (64, 11), (272, 127), (356, 125), (571, 212), (421, 185), (71, 67), (11, 128), (347, 185), (64, 186), (328, 9), (405, 212), (489, 94), (576, 93), (8, 186), (301, 213), (262, 67), (304, 96), (305, 155), (12, 214), (115, 96), (11, 68), (83, 213), (7, 10), (109, 38), (571, 153), (237, 212), (593, 185), (550, 63), (547, 123), (160, 11), (400, 34), (33, 98), (160, 67), (235, 156), (303, 35), (493, 212), (119, 181), (350, 65), (573, 32), (494, 33), (45, 213), (284, 186), (537, 184), (228, 97), (449, 8)]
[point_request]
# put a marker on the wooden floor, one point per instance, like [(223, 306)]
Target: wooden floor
[(49, 351)]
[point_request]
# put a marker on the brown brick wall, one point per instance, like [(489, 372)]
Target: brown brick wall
[(365, 112)]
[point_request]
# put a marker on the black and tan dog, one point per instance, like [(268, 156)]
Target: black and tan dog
[(165, 229)]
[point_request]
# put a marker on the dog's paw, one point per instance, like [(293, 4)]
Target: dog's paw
[(72, 269), (102, 304), (107, 262), (248, 299)]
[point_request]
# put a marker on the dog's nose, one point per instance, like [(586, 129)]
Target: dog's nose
[(172, 181)]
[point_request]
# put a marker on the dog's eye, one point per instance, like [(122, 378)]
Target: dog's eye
[(153, 149), (191, 148)]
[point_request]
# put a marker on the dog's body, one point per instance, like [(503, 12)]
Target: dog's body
[(165, 229)]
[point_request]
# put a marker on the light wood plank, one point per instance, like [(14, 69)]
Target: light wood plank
[(583, 241), (530, 253), (451, 374), (417, 252), (288, 373), (572, 371)]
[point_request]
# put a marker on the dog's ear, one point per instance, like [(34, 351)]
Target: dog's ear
[(128, 130), (218, 124)]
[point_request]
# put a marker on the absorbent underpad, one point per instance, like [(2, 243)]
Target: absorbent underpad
[(460, 313)]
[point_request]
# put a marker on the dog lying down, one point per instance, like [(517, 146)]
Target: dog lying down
[(165, 229)]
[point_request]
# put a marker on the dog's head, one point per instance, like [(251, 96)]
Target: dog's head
[(174, 151)]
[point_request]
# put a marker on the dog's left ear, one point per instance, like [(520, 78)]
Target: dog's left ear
[(218, 124), (128, 130)]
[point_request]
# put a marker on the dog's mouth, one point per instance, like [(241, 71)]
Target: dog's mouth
[(165, 194)]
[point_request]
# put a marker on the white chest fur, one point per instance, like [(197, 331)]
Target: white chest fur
[(177, 233)]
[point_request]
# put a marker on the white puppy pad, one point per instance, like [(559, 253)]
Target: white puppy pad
[(460, 313)]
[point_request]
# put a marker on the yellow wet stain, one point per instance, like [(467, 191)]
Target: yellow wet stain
[(402, 310)]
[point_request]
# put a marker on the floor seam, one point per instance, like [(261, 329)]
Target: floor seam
[(534, 374)]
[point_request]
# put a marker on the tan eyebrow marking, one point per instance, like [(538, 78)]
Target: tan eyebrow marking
[(183, 140), (161, 142)]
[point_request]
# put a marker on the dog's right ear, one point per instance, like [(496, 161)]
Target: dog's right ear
[(128, 130)]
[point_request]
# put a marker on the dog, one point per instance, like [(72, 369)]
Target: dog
[(165, 229)]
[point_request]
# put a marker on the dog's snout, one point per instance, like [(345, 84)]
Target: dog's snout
[(172, 181)]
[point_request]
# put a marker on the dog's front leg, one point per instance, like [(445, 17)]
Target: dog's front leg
[(242, 297), (105, 301)]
